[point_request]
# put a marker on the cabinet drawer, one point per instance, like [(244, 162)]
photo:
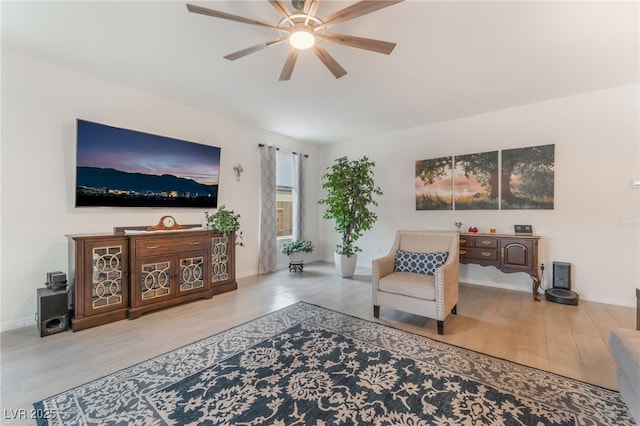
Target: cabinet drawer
[(466, 241), (160, 245), (478, 253), (486, 242)]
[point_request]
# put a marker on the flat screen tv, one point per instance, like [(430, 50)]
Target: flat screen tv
[(125, 168)]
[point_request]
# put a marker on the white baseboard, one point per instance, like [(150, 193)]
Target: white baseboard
[(629, 303), (19, 323), (506, 286)]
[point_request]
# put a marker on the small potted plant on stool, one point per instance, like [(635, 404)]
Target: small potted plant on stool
[(296, 250)]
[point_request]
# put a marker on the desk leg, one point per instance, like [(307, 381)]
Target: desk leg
[(536, 286)]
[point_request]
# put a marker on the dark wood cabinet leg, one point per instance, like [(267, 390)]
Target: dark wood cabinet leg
[(376, 311), (441, 327), (536, 286)]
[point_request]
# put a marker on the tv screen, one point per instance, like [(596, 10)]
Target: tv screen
[(124, 168)]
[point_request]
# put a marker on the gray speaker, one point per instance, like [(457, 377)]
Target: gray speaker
[(53, 311)]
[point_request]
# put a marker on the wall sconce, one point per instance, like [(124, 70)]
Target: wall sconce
[(238, 169)]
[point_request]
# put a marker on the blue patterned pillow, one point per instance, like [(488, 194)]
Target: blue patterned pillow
[(422, 263)]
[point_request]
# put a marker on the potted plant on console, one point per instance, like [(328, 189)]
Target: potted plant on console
[(296, 250), (350, 190), (225, 221)]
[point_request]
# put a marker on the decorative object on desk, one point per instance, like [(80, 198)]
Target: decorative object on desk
[(225, 221), (433, 186), (523, 229), (358, 370), (492, 230), (166, 223), (350, 190), (473, 229), (458, 224), (237, 170), (296, 250)]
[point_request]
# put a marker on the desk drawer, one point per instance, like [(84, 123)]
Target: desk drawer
[(155, 246), (478, 253), (486, 242), (466, 241)]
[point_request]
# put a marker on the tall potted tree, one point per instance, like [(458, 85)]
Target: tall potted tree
[(350, 190)]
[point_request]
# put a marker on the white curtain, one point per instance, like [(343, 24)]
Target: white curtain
[(298, 197), (268, 223)]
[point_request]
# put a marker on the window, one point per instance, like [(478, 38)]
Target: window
[(284, 194), (284, 213)]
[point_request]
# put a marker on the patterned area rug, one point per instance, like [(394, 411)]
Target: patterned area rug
[(306, 365)]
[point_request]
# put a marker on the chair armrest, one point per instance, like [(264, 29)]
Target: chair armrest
[(447, 285), (381, 267)]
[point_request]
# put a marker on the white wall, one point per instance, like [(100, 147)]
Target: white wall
[(40, 103), (597, 155)]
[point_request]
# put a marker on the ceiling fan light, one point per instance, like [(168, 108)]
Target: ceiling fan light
[(301, 39)]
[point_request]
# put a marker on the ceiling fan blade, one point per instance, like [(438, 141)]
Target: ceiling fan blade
[(277, 4), (311, 7), (287, 70), (355, 10), (329, 62), (244, 52), (223, 15), (378, 46)]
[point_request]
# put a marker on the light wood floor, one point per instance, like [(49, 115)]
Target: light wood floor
[(568, 340)]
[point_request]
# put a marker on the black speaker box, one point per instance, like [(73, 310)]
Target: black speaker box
[(562, 275), (53, 311)]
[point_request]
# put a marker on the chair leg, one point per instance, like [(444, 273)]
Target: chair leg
[(440, 327), (454, 311), (376, 311)]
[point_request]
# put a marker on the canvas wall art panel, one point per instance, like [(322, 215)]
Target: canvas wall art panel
[(475, 181), (434, 184), (527, 178)]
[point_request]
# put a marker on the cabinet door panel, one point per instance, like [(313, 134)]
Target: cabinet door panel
[(108, 279), (154, 280), (191, 273), (220, 259), (517, 255)]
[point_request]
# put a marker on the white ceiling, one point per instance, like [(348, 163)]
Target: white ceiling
[(453, 58)]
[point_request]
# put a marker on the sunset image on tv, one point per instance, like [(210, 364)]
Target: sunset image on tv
[(125, 168)]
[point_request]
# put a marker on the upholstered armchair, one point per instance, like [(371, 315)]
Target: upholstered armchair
[(419, 275)]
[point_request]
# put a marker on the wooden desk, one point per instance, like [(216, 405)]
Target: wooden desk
[(507, 252)]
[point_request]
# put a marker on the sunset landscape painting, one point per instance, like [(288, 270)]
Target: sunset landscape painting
[(434, 184), (476, 181), (520, 178)]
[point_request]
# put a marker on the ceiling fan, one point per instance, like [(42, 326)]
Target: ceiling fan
[(303, 29)]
